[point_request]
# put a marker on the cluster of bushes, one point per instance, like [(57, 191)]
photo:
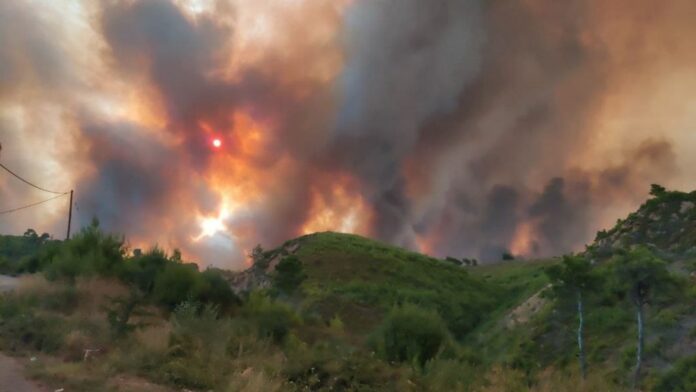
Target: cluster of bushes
[(156, 276), (16, 252)]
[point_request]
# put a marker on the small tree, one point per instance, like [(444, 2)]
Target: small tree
[(121, 310), (256, 253), (639, 273), (574, 279), (289, 275), (411, 333), (657, 190)]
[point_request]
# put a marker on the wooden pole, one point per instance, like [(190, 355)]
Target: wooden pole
[(70, 214)]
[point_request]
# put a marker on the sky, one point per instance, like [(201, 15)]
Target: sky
[(458, 128)]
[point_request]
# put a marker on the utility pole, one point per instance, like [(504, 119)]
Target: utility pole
[(70, 214)]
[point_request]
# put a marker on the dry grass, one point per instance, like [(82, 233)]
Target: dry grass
[(75, 344), (503, 379), (96, 293), (252, 380), (553, 380), (37, 285), (154, 338)]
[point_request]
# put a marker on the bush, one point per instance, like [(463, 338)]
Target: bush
[(273, 320), (175, 284), (289, 275), (214, 289), (143, 270), (21, 328), (89, 252), (681, 378), (410, 333)]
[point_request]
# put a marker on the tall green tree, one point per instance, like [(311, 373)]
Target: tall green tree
[(639, 275), (573, 279)]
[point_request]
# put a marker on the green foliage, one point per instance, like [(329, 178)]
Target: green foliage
[(339, 367), (120, 312), (368, 278), (90, 252), (657, 190), (289, 275), (142, 270), (175, 284), (682, 378), (214, 289), (273, 319), (410, 333), (19, 253), (573, 275), (22, 328), (638, 273)]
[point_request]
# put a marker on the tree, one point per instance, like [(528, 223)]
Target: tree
[(574, 278), (657, 190), (31, 234), (639, 274), (256, 253), (411, 333), (289, 275)]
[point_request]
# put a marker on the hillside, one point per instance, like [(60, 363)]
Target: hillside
[(359, 279), (666, 223), (331, 311)]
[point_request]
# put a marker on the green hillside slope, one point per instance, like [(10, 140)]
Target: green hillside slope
[(359, 279)]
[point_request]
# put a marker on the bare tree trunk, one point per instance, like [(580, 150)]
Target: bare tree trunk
[(581, 343), (639, 349)]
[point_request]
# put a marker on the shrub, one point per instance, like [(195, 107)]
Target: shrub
[(681, 378), (143, 270), (273, 320), (289, 275), (89, 252), (214, 289), (410, 333), (175, 284)]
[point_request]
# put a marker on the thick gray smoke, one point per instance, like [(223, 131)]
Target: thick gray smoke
[(468, 128)]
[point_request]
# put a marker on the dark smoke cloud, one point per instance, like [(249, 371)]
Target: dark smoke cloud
[(468, 128)]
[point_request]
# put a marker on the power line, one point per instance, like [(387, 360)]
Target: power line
[(29, 183), (33, 204)]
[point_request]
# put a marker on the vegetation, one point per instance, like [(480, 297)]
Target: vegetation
[(411, 334), (334, 311), (574, 279), (289, 275), (638, 275)]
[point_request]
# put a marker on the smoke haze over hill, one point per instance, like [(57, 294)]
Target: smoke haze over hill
[(461, 128)]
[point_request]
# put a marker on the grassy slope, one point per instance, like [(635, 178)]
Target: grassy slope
[(517, 281), (359, 279)]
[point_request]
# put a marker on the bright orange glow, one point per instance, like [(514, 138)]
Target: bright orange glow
[(523, 240), (217, 143), (425, 245), (339, 210)]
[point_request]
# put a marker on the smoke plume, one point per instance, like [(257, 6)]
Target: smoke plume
[(458, 128)]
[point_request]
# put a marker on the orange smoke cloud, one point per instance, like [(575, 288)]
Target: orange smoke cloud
[(340, 209)]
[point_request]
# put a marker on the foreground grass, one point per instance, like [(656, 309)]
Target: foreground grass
[(200, 349)]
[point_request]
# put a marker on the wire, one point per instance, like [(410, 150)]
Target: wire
[(32, 205), (29, 183)]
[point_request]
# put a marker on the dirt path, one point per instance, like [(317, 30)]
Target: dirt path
[(12, 377), (8, 283), (11, 371)]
